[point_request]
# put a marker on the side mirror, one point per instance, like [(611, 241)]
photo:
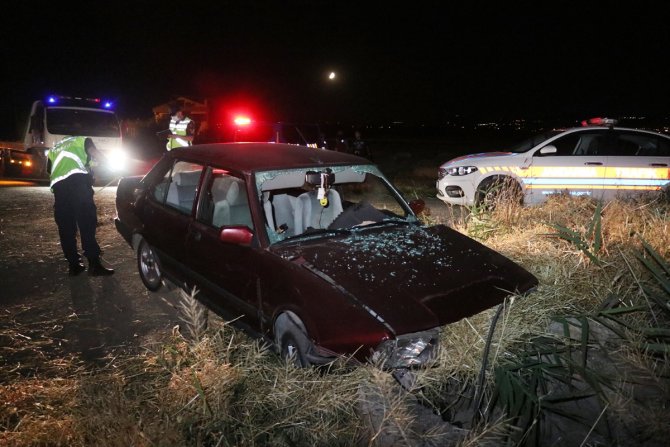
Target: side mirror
[(548, 149), (418, 206), (238, 235)]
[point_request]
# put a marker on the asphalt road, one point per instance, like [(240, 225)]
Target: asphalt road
[(47, 316)]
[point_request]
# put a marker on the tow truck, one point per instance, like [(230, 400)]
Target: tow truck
[(55, 117)]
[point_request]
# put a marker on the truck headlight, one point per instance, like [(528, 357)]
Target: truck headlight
[(117, 160), (407, 350), (461, 170)]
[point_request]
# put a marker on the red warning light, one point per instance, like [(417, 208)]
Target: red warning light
[(599, 122), (242, 120)]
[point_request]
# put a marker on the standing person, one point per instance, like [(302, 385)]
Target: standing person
[(182, 130), (360, 147), (74, 208)]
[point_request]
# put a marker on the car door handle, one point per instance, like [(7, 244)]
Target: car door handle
[(658, 165), (196, 235), (593, 163)]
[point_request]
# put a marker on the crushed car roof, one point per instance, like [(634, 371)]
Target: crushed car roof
[(248, 157)]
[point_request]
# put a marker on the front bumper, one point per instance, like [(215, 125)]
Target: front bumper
[(455, 193), (408, 350)]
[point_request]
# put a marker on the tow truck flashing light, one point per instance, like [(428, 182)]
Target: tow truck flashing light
[(242, 121), (55, 99)]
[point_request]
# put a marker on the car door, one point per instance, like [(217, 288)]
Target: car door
[(574, 167), (639, 162), (168, 212), (228, 272)]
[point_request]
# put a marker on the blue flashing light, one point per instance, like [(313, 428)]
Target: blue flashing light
[(76, 101)]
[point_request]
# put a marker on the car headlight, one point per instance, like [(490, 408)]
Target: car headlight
[(407, 350), (461, 170)]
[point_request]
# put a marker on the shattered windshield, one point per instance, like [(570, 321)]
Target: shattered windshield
[(323, 201)]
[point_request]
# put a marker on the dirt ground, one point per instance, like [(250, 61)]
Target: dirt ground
[(46, 315)]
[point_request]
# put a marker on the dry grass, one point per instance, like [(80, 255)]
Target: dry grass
[(571, 283), (220, 388)]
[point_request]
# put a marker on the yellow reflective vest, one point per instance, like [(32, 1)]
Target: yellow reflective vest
[(68, 157)]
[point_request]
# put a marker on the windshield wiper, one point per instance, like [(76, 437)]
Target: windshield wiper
[(317, 233), (382, 223)]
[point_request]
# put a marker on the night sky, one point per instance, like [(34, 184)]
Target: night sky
[(395, 61)]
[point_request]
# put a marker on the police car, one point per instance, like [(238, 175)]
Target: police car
[(598, 159)]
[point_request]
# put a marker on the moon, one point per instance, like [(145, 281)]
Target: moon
[(332, 75)]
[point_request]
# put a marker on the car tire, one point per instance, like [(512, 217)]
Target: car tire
[(292, 340), (149, 266), (498, 190)]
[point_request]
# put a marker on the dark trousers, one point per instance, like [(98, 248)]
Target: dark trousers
[(74, 208)]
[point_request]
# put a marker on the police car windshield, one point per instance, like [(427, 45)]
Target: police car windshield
[(533, 141)]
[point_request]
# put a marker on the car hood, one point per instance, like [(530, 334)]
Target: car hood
[(412, 277), (479, 156)]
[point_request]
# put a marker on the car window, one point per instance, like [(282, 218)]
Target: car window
[(373, 191), (533, 141), (567, 144), (179, 186), (159, 190), (328, 200), (595, 143), (639, 144), (224, 201)]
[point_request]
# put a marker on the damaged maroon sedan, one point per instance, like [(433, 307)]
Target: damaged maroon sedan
[(313, 250)]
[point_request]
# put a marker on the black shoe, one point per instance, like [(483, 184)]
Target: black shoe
[(95, 268), (76, 269)]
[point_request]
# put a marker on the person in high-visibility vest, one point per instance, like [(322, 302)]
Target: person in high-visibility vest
[(74, 208), (182, 130)]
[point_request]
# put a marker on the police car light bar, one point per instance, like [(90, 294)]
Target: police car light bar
[(599, 122)]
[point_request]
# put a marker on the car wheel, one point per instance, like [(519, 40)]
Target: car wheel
[(292, 340), (148, 266), (499, 190)]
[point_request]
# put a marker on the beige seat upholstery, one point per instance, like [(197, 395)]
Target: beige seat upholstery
[(182, 190), (310, 214), (284, 206), (234, 209)]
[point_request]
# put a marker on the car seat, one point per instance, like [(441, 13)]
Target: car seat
[(310, 213), (234, 209), (283, 207), (182, 190)]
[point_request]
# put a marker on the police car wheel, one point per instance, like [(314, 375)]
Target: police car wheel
[(498, 190), (149, 266)]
